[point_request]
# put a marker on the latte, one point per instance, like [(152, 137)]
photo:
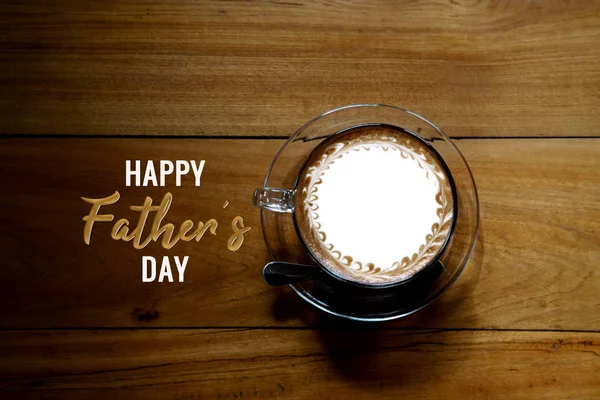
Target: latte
[(374, 204)]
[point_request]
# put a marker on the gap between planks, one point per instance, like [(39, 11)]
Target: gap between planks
[(344, 325), (247, 137)]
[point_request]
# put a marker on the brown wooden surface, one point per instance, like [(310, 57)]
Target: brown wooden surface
[(519, 80), (200, 364), (485, 68), (534, 268)]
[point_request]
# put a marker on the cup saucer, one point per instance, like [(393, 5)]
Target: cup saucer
[(367, 303)]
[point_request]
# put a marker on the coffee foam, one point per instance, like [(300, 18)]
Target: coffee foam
[(374, 205)]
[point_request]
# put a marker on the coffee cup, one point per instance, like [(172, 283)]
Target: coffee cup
[(380, 200), (373, 204)]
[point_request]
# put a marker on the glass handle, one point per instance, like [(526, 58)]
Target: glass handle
[(280, 200)]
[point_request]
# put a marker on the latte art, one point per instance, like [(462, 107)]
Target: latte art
[(374, 205)]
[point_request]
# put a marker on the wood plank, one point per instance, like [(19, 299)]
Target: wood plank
[(535, 266), (230, 364), (191, 67)]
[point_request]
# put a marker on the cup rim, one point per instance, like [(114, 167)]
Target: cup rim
[(417, 274)]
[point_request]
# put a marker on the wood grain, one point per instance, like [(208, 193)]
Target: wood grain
[(230, 364), (521, 322), (535, 266), (238, 68)]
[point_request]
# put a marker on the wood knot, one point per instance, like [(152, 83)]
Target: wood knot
[(142, 315)]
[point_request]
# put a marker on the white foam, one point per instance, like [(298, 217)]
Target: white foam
[(377, 206)]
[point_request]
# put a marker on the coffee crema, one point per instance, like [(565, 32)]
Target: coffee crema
[(374, 205)]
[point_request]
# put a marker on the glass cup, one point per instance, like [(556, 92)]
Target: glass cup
[(332, 293)]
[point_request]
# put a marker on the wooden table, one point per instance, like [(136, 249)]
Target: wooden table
[(88, 85)]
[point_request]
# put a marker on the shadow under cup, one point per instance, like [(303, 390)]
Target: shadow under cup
[(353, 300)]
